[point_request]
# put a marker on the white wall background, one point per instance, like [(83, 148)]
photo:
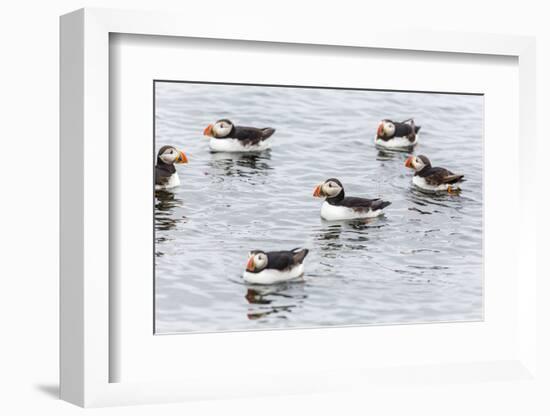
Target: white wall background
[(29, 204)]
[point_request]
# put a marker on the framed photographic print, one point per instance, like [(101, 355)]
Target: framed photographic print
[(328, 207)]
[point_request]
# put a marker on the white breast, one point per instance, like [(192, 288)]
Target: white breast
[(234, 145), (421, 183), (335, 213), (173, 181), (271, 276), (397, 143)]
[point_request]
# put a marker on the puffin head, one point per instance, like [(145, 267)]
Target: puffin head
[(219, 129), (417, 162), (330, 188), (257, 261), (169, 155), (386, 128)]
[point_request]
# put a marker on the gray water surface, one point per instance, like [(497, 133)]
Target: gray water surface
[(422, 262)]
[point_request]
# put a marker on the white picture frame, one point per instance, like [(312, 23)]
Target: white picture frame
[(86, 355)]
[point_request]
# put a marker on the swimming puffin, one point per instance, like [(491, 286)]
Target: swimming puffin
[(165, 172), (339, 207), (397, 135), (430, 179), (226, 137), (271, 267)]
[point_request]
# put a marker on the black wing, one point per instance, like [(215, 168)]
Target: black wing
[(251, 135), (408, 130), (438, 176), (402, 129), (282, 260), (364, 204)]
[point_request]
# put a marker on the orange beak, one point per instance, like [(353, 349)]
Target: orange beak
[(208, 130), (181, 158), (408, 162), (250, 264), (317, 191), (380, 131)]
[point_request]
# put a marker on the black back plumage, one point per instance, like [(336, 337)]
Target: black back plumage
[(360, 204), (355, 203), (404, 129), (250, 135), (285, 259), (437, 175)]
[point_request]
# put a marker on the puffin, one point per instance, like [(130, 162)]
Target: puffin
[(165, 172), (266, 268), (226, 137), (337, 206), (397, 135), (432, 179)]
